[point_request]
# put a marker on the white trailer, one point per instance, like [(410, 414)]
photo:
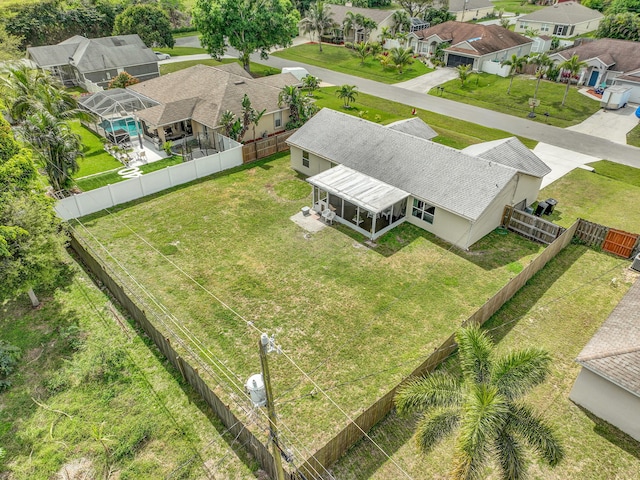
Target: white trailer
[(615, 97)]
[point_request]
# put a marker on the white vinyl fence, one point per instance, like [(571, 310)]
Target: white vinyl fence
[(93, 201), (489, 66)]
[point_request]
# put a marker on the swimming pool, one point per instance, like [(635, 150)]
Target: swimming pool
[(128, 124)]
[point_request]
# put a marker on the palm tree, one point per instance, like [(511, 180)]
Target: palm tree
[(463, 72), (59, 147), (543, 63), (401, 57), (27, 90), (485, 407), (318, 20), (573, 66), (349, 23), (311, 83), (348, 94), (401, 22), (363, 51), (290, 96), (515, 63)]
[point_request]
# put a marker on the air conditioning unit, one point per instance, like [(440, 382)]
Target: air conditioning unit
[(636, 263)]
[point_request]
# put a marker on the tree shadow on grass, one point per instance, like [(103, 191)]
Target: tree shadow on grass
[(613, 434)]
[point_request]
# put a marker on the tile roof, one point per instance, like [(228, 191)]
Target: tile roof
[(512, 153), (96, 54), (614, 351), (441, 175), (375, 14), (414, 126), (568, 13), (208, 92), (619, 55), (483, 39)]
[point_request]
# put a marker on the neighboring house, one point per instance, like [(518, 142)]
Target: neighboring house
[(382, 17), (562, 20), (470, 44), (374, 177), (93, 63), (606, 60), (466, 10), (192, 101), (632, 80), (609, 381)]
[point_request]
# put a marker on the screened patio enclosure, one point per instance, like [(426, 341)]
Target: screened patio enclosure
[(367, 205), (116, 114)]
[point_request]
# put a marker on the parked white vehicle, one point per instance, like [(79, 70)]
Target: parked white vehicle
[(162, 56), (297, 72)]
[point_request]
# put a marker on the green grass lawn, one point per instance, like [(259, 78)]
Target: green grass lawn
[(180, 51), (490, 91), (257, 69), (111, 177), (602, 196), (452, 132), (341, 59), (516, 6), (340, 309), (558, 310), (91, 372), (95, 159), (633, 137)]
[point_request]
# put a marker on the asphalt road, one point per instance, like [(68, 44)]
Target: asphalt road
[(567, 139)]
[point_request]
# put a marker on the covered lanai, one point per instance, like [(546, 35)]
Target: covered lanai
[(359, 201)]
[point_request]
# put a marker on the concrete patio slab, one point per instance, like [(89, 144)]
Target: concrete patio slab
[(312, 223)]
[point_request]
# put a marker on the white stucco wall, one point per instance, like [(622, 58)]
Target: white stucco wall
[(491, 218), (528, 188), (608, 402), (446, 225), (316, 164)]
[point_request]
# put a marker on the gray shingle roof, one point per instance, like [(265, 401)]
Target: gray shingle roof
[(614, 351), (618, 55), (96, 54), (566, 13), (414, 126), (484, 39), (468, 5), (212, 90), (440, 175), (512, 153)]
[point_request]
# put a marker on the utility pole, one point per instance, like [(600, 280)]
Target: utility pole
[(266, 345)]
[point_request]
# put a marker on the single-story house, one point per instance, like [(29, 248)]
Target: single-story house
[(93, 63), (470, 43), (562, 20), (541, 44), (384, 18), (191, 102), (606, 60), (466, 10), (608, 384), (372, 177)]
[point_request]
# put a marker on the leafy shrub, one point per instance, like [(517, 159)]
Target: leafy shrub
[(349, 45), (9, 356)]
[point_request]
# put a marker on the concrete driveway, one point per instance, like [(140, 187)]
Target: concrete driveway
[(429, 80), (561, 161), (609, 124)]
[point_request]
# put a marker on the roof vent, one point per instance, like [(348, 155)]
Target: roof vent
[(238, 82)]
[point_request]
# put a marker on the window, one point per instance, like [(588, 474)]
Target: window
[(423, 210), (305, 159), (277, 119), (544, 27)]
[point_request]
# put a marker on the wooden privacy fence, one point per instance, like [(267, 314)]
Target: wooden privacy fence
[(530, 226), (267, 146), (618, 242), (324, 457), (140, 312)]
